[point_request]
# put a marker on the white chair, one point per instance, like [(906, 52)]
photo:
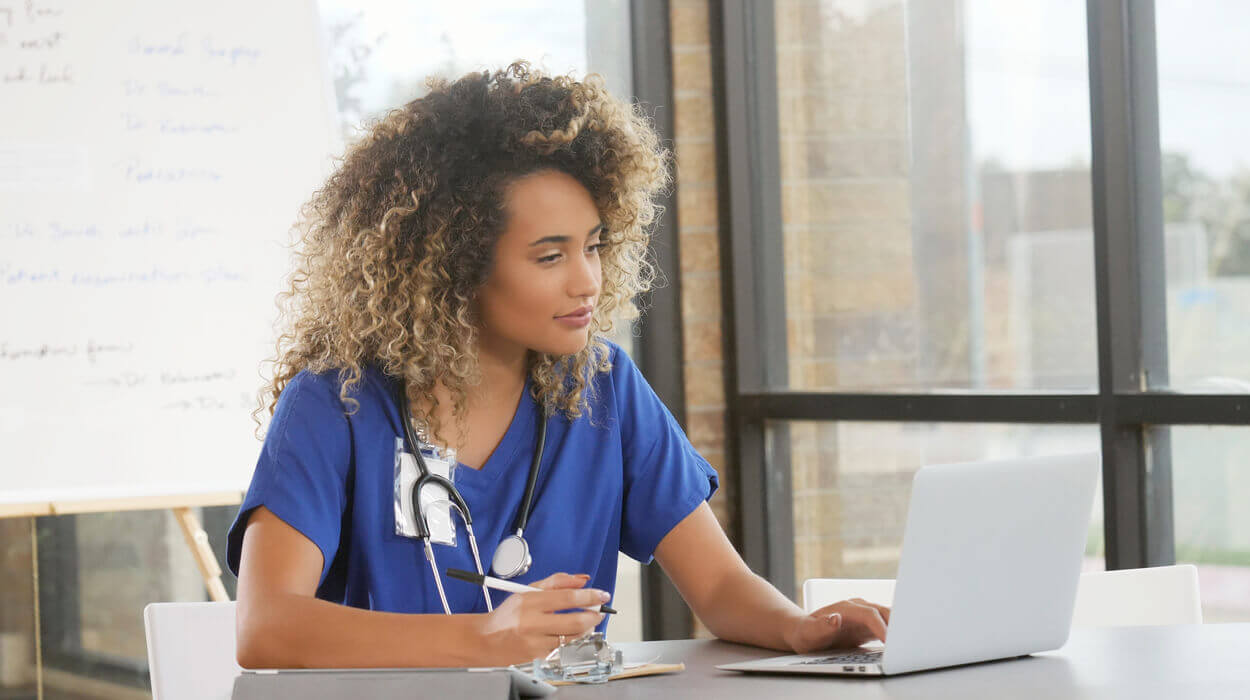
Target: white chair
[(191, 650), (819, 592), (1159, 595)]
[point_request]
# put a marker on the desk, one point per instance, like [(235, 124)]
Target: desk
[(1175, 662)]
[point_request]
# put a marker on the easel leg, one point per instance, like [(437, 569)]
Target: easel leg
[(197, 540), (34, 561)]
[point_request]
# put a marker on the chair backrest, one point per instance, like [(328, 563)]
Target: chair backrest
[(819, 592), (191, 650), (1159, 595)]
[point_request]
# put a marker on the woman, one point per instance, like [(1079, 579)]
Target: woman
[(465, 260)]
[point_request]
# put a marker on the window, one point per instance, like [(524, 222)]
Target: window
[(851, 483), (1211, 489), (1203, 94), (956, 227), (935, 196)]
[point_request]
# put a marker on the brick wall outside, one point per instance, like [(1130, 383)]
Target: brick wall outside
[(848, 252), (17, 602), (847, 236)]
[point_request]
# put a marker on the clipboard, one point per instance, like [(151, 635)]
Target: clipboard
[(635, 671)]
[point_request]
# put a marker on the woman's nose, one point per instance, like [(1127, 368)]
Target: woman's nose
[(585, 280)]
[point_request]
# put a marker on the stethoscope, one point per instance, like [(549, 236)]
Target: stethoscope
[(512, 556)]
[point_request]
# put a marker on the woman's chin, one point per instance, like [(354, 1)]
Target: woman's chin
[(565, 346)]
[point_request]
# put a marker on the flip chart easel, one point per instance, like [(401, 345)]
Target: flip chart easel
[(153, 158)]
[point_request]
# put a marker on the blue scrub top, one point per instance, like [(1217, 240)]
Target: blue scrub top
[(616, 480)]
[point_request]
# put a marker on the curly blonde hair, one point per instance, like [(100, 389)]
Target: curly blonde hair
[(393, 249)]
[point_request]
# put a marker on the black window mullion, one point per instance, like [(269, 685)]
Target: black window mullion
[(751, 188), (1135, 410), (1159, 409), (59, 599), (744, 55), (1130, 279), (934, 408), (659, 350)]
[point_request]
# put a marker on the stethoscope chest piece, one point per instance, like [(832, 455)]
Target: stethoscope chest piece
[(512, 557)]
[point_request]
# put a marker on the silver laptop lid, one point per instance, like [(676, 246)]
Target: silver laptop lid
[(990, 561)]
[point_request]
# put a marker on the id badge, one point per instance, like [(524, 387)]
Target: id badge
[(435, 501)]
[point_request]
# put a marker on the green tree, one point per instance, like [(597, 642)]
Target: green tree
[(1221, 206)]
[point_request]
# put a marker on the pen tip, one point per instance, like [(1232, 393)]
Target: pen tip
[(606, 609)]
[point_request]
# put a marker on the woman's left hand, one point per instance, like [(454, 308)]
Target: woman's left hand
[(845, 624)]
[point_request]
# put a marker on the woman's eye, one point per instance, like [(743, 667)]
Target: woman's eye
[(547, 259)]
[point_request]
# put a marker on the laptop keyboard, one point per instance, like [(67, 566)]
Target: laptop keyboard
[(871, 656)]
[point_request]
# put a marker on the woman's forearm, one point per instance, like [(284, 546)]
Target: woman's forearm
[(748, 609), (294, 631)]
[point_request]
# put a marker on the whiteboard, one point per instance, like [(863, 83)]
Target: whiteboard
[(153, 157)]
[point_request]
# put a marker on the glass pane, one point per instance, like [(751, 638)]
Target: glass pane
[(1204, 101), (936, 195), (1210, 490), (381, 51), (852, 483), (95, 577)]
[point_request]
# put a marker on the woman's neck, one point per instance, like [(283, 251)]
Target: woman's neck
[(503, 366), (488, 403), (503, 371)]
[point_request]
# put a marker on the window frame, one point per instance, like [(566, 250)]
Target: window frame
[(1131, 409), (659, 349)]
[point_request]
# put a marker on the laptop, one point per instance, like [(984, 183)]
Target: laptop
[(989, 567), (330, 684)]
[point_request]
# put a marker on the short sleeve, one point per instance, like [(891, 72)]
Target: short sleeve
[(303, 470), (665, 478)]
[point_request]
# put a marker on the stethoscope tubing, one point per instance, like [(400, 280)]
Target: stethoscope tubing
[(427, 477)]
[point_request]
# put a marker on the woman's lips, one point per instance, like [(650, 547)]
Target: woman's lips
[(576, 320)]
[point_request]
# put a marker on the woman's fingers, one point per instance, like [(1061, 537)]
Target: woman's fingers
[(834, 607), (882, 609), (566, 598), (571, 624), (546, 618), (554, 600), (862, 622)]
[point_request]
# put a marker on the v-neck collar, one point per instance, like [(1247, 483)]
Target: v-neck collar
[(520, 435)]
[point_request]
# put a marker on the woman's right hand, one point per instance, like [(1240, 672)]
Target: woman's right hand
[(526, 625)]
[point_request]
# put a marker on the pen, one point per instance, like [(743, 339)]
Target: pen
[(502, 585)]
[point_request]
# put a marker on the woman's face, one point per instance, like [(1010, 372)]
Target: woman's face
[(545, 277)]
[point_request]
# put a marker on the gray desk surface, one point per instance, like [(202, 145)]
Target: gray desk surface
[(1186, 661)]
